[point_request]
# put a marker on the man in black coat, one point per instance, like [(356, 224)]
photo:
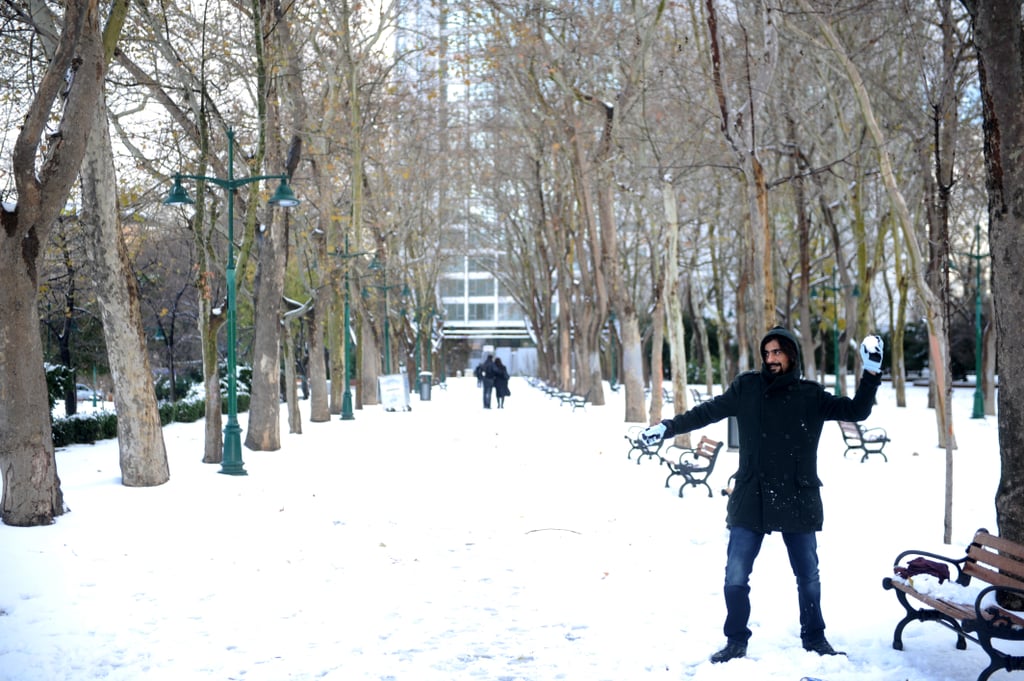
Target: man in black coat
[(485, 374), (780, 416)]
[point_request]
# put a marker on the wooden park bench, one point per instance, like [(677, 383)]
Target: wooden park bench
[(637, 445), (698, 396), (994, 562), (867, 440), (695, 472)]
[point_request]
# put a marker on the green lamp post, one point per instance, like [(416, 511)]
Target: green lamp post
[(346, 396), (835, 329), (978, 412), (231, 462), (612, 351)]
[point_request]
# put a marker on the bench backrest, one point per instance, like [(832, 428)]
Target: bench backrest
[(995, 560), (708, 449), (851, 430)]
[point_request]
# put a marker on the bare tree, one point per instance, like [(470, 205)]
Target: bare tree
[(45, 164)]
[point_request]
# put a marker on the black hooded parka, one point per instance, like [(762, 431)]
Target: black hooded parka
[(780, 420)]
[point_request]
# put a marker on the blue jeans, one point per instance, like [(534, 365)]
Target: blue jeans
[(744, 545)]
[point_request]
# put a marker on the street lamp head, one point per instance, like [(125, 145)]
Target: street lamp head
[(284, 197), (178, 195)]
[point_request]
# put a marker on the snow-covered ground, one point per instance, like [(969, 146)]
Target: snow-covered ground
[(449, 542)]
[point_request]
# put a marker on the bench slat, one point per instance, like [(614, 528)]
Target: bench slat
[(989, 576), (1008, 568), (1005, 563), (999, 544), (961, 611)]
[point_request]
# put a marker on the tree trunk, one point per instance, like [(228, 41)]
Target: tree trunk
[(898, 366), (290, 389), (632, 367), (669, 287), (140, 440), (988, 359), (210, 319), (1000, 50), (319, 405), (657, 363), (271, 240), (31, 488), (264, 429), (369, 364), (727, 368)]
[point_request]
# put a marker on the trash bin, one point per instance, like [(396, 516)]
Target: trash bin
[(425, 377), (734, 434)]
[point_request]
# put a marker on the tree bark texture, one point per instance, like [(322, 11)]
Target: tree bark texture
[(674, 316), (1000, 49), (31, 488), (140, 439)]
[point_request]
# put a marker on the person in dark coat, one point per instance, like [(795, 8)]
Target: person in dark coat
[(780, 416), (500, 382), (485, 374)]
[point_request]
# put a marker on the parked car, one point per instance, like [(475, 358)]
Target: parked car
[(84, 392)]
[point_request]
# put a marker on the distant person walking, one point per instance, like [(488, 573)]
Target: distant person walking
[(501, 390), (485, 375)]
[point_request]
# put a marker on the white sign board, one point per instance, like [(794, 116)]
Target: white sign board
[(394, 392)]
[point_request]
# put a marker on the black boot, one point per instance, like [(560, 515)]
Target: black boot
[(731, 651), (822, 647)]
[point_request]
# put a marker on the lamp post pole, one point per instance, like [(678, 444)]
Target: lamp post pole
[(978, 412), (231, 461), (835, 329), (346, 396), (387, 336), (611, 347)]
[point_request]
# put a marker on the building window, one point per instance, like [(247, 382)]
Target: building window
[(481, 287), (481, 312), (454, 312), (510, 312), (453, 288)]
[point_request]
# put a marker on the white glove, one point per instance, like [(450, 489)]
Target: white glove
[(653, 435), (871, 353)]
